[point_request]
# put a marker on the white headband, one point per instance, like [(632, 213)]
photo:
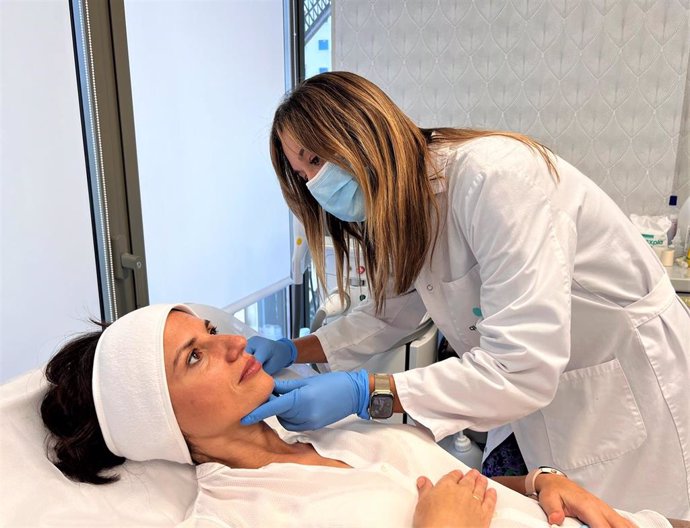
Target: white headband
[(130, 390)]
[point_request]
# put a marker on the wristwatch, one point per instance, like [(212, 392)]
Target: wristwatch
[(381, 400), (532, 477)]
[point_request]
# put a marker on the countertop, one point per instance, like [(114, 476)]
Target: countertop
[(680, 278)]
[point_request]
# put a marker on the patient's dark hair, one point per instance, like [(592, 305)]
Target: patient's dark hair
[(78, 448)]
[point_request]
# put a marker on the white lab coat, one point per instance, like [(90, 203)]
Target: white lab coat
[(566, 323)]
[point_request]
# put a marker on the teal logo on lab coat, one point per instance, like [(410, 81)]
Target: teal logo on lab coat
[(477, 311)]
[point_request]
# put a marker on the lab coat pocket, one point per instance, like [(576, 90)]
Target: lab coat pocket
[(594, 417), (462, 298)]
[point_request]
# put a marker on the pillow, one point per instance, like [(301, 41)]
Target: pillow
[(35, 493)]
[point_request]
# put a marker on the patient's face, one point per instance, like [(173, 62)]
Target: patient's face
[(212, 381)]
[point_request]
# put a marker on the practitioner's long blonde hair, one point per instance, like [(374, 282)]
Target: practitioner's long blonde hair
[(347, 120)]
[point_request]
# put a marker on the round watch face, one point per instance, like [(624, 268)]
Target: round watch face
[(381, 406)]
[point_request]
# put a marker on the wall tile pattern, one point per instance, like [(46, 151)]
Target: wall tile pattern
[(604, 83)]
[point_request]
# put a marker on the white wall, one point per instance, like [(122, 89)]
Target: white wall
[(48, 286), (602, 83)]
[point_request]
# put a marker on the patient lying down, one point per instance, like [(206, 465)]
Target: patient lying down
[(159, 383)]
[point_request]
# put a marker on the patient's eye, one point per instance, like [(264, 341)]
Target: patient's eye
[(213, 330), (194, 357)]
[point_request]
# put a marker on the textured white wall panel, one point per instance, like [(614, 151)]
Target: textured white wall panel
[(602, 82)]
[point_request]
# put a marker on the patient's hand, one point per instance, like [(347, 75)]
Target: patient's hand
[(560, 497), (455, 501)]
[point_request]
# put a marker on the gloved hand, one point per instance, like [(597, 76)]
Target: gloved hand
[(315, 402), (273, 355)]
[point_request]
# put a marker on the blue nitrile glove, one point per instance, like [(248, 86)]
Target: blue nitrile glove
[(317, 401), (273, 355)]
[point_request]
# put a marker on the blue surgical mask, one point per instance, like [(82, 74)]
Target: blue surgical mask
[(338, 192)]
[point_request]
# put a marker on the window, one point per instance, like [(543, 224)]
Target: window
[(317, 37), (194, 180)]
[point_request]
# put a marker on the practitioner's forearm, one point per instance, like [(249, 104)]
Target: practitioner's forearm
[(518, 483), (514, 483), (397, 406), (309, 350)]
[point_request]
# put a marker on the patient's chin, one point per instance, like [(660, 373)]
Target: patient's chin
[(266, 379), (263, 385)]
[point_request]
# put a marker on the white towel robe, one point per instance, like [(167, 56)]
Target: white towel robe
[(582, 344)]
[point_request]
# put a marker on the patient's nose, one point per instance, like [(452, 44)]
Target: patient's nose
[(234, 347)]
